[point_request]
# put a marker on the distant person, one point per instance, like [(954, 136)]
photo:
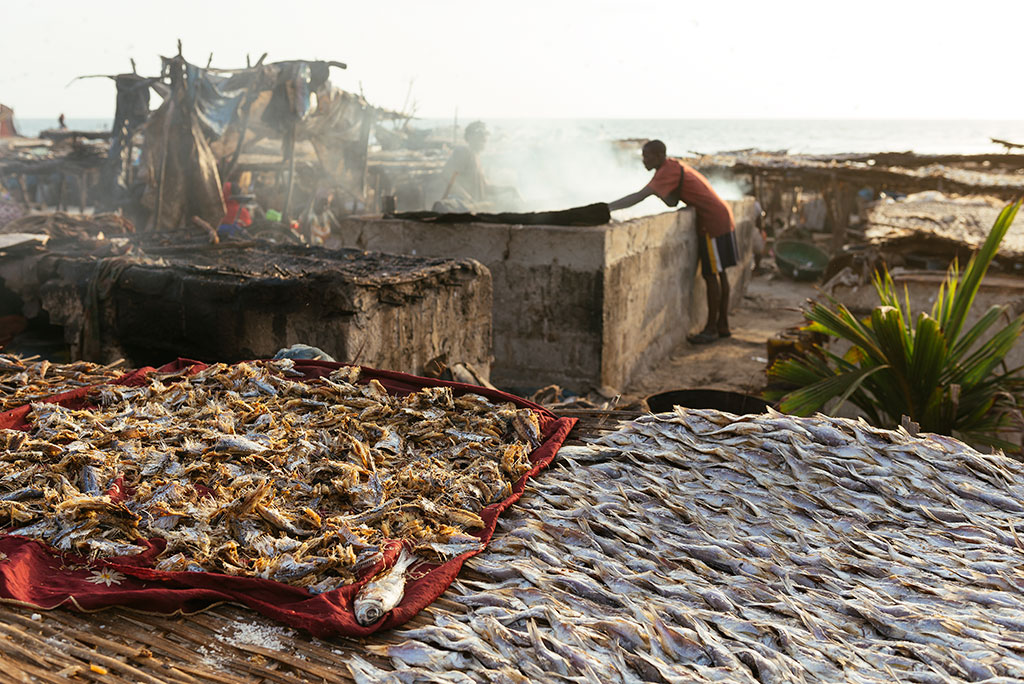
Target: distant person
[(60, 122), (716, 231), (466, 188), (237, 216), (318, 221)]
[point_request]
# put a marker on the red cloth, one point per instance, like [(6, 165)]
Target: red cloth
[(235, 209), (33, 573), (714, 216), (234, 212)]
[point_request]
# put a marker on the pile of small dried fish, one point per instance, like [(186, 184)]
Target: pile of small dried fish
[(247, 470), (700, 547), (23, 380)]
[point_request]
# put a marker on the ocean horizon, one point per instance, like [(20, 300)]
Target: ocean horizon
[(703, 136)]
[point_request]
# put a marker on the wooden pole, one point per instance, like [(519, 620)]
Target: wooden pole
[(82, 193), (163, 163), (290, 158), (249, 99), (129, 176), (839, 210), (175, 77), (60, 192), (369, 116), (24, 191)]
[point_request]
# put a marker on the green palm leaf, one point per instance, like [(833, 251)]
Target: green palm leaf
[(976, 269), (810, 399), (943, 377)]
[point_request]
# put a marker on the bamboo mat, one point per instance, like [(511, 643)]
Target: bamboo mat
[(226, 644)]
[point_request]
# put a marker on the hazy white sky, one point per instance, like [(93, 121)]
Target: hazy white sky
[(550, 58)]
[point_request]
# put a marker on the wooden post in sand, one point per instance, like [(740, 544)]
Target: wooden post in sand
[(838, 204), (23, 186), (82, 191), (60, 191), (250, 97), (363, 163)]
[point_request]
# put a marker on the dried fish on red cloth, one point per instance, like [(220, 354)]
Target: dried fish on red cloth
[(24, 380), (284, 485)]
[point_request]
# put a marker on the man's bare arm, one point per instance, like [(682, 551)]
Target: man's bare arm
[(630, 200)]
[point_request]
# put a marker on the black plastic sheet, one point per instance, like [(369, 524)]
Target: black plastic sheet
[(590, 215)]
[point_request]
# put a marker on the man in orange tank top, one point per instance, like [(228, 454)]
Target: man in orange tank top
[(716, 234)]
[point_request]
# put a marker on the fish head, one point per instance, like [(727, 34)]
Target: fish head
[(369, 611)]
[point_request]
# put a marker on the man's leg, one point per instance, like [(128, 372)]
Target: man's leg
[(714, 306), (723, 306)]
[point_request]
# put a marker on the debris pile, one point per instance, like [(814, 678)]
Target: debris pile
[(59, 225)]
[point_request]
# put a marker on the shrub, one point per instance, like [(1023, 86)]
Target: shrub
[(929, 369)]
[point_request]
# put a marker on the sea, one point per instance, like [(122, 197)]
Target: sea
[(685, 137), (703, 136)]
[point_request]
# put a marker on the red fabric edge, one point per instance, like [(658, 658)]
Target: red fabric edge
[(33, 573)]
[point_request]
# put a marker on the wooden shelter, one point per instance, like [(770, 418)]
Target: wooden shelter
[(169, 164), (840, 178)]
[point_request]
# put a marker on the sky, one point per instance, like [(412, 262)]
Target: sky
[(633, 59)]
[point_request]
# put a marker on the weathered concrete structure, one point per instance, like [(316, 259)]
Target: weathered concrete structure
[(579, 307), (233, 302)]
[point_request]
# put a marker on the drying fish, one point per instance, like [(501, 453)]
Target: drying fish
[(384, 591), (695, 547), (233, 444), (23, 381), (241, 469)]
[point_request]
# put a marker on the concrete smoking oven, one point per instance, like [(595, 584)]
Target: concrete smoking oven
[(238, 301), (582, 307)]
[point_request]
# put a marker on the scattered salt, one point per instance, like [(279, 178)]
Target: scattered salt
[(273, 638), (209, 659)]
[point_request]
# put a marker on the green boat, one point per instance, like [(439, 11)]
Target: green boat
[(800, 260)]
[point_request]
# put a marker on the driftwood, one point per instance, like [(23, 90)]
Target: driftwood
[(207, 228), (1008, 145), (61, 225)]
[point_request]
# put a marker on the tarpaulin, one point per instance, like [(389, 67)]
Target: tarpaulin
[(130, 113), (35, 574), (183, 177), (215, 105), (596, 214)]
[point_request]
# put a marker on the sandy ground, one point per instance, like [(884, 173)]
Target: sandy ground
[(737, 363)]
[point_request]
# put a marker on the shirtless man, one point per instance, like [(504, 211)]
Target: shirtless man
[(466, 187)]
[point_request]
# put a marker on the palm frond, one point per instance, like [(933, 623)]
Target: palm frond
[(926, 367)]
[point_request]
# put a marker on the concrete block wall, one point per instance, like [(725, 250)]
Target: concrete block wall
[(654, 293), (580, 307), (398, 324), (154, 313)]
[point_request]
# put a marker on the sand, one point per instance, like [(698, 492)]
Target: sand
[(737, 363)]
